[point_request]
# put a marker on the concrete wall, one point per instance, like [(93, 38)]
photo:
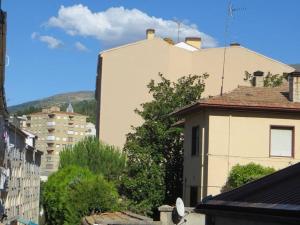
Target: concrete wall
[(126, 71), (234, 138)]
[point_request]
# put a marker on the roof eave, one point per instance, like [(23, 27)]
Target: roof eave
[(250, 209), (199, 106)]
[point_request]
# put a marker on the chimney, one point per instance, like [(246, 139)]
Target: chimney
[(235, 44), (294, 86), (193, 41), (150, 34), (258, 79)]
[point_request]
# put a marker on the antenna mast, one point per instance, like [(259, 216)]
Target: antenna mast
[(178, 22), (230, 12)]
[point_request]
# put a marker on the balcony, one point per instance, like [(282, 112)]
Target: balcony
[(51, 124), (50, 138), (50, 151), (51, 129), (70, 132), (51, 115)]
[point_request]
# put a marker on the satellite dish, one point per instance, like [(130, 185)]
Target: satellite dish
[(180, 207)]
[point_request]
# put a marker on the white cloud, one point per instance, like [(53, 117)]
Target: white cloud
[(81, 47), (119, 25), (52, 42)]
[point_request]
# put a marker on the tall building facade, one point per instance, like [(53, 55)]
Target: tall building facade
[(125, 71), (20, 176), (55, 130)]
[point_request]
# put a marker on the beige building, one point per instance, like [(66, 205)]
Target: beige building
[(248, 124), (55, 130), (125, 71), (19, 175)]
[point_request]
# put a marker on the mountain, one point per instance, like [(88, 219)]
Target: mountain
[(58, 100), (296, 66)]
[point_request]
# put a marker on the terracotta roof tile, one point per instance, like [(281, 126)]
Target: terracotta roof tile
[(276, 97), (262, 98)]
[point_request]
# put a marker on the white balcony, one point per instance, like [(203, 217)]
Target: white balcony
[(70, 132), (51, 138), (51, 124)]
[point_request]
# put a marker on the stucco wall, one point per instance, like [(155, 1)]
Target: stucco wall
[(244, 136), (126, 71)]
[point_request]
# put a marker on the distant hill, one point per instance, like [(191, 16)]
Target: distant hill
[(57, 100), (296, 66)]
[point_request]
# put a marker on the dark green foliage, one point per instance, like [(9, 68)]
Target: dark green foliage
[(96, 156), (73, 192), (27, 111), (86, 107), (155, 149), (241, 175)]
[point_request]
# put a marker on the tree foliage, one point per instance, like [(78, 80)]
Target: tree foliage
[(155, 149), (73, 192), (270, 80), (85, 107), (96, 156), (240, 175)]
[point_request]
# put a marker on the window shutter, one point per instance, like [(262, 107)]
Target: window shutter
[(281, 142)]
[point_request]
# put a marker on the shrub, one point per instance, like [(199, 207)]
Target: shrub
[(240, 175)]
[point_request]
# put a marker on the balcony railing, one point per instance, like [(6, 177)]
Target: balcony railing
[(51, 138), (51, 124)]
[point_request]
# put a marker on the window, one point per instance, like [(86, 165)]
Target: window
[(195, 140), (281, 141), (49, 166), (193, 196)]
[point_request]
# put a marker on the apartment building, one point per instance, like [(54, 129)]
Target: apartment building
[(55, 130), (20, 175), (125, 71), (249, 124)]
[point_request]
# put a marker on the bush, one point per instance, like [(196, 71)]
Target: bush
[(73, 192), (241, 175)]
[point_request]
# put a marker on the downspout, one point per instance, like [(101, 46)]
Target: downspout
[(98, 94), (228, 147)]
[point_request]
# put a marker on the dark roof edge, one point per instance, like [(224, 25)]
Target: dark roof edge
[(258, 184), (199, 106), (277, 214)]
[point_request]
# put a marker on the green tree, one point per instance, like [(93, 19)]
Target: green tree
[(85, 107), (155, 149), (73, 192), (96, 156), (270, 80), (240, 175)]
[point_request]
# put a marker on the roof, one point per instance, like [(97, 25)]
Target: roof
[(275, 194), (112, 218), (57, 112), (186, 46), (248, 98)]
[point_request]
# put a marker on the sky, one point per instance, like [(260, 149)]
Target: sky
[(52, 45)]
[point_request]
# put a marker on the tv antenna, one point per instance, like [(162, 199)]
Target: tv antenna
[(230, 13), (179, 23)]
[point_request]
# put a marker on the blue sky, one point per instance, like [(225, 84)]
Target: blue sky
[(53, 49)]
